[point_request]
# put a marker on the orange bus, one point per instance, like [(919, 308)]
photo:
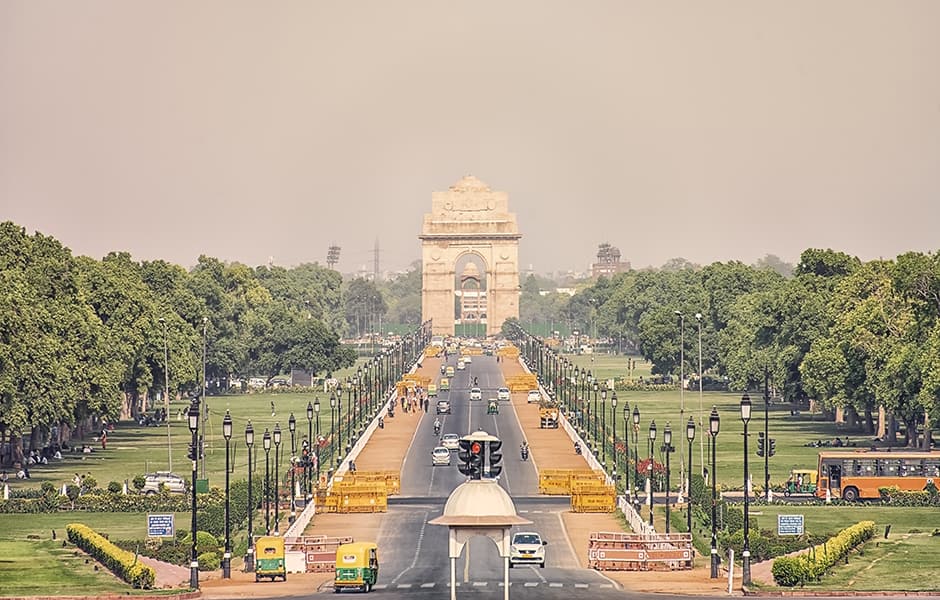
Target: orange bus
[(858, 475)]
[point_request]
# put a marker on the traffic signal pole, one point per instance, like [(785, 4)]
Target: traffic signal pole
[(767, 434)]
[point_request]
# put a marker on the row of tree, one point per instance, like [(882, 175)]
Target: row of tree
[(850, 334), (83, 339)]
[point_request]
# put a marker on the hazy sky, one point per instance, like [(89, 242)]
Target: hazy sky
[(247, 130)]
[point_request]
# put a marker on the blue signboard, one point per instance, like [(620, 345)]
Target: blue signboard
[(789, 524), (161, 525)]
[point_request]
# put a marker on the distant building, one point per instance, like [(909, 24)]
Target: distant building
[(608, 262)]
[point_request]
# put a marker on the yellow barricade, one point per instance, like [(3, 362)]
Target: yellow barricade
[(432, 351), (602, 502), (562, 482), (422, 380), (391, 480), (508, 352), (362, 503), (470, 351)]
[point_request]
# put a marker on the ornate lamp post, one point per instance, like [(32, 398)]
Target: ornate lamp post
[(613, 411), (316, 442), (333, 410), (194, 430), (227, 556), (746, 552), (681, 316), (596, 386), (714, 421), (604, 426), (636, 453), (626, 446), (577, 395), (250, 556), (649, 468), (690, 437), (310, 442), (277, 477), (266, 444), (349, 414), (292, 427), (667, 448)]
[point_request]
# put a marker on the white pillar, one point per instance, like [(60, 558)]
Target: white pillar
[(6, 492), (453, 578), (506, 577)]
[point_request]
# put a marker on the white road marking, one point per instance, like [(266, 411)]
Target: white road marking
[(379, 586), (581, 585), (479, 584), (404, 586), (414, 561), (555, 585), (427, 585), (531, 584)]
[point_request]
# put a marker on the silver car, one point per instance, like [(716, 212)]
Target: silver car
[(476, 393), (173, 482), (502, 394), (451, 441), (440, 456)]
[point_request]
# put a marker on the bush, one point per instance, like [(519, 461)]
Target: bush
[(895, 496), (209, 561), (122, 563), (114, 487), (139, 482), (205, 542), (818, 560)]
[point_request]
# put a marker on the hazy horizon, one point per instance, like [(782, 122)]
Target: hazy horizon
[(251, 131)]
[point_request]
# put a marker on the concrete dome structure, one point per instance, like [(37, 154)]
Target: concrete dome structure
[(480, 502)]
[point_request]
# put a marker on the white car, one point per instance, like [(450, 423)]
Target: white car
[(451, 441), (476, 393), (440, 456), (502, 394), (534, 396), (461, 365), (468, 359), (173, 482), (527, 547)]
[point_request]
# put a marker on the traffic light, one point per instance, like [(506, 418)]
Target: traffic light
[(494, 458), (760, 443), (773, 446), (470, 454), (192, 452)]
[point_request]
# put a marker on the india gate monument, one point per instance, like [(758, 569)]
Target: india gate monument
[(470, 259)]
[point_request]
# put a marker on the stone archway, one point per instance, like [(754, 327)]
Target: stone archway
[(469, 218)]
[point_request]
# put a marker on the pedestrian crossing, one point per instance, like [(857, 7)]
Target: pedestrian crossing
[(495, 584)]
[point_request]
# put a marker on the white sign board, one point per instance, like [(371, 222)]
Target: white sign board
[(789, 524), (161, 525)]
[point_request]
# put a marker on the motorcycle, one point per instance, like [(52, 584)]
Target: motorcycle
[(577, 448), (524, 451), (437, 429)]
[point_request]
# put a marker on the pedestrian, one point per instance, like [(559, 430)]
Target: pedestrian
[(273, 413), (104, 439)]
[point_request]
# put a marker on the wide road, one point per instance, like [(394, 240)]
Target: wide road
[(414, 554)]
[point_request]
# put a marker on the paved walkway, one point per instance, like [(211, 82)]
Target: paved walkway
[(168, 575)]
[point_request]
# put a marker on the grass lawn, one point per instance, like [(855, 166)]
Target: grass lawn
[(902, 563), (119, 526), (133, 449), (33, 568), (792, 433), (832, 519)]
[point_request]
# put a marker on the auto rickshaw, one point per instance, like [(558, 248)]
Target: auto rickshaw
[(269, 558), (492, 407), (357, 566), (801, 481), (444, 384)]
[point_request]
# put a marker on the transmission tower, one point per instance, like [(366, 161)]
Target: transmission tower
[(375, 262), (332, 256)]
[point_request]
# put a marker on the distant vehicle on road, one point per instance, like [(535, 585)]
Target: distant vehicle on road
[(527, 547), (173, 482), (444, 384), (856, 476), (432, 390), (450, 371), (476, 393), (534, 396), (443, 407), (461, 364), (451, 441), (503, 394), (440, 456)]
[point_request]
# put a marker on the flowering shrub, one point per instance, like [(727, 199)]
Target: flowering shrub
[(122, 563), (816, 562)]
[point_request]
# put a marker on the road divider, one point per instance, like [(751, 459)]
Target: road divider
[(609, 551)]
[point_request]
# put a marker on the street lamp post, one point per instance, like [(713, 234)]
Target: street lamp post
[(310, 442), (714, 421), (166, 393), (277, 478), (596, 386), (333, 405), (690, 436), (292, 427), (667, 448), (205, 407), (266, 444), (746, 552), (626, 446), (250, 556), (227, 556), (316, 447), (649, 469), (194, 430), (636, 454), (701, 407), (613, 412), (681, 316), (604, 427)]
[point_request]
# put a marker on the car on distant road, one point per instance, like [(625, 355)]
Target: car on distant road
[(449, 371), (527, 547), (440, 456), (461, 364), (476, 393), (451, 441), (534, 396), (173, 482), (502, 394), (443, 407), (468, 359), (432, 390)]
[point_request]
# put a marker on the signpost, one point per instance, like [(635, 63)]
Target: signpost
[(789, 524), (161, 525)]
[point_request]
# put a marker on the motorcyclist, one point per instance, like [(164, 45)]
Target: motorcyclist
[(524, 450), (437, 426), (474, 381), (577, 448)]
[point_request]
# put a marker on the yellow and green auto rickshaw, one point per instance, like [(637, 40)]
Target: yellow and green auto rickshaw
[(269, 558), (444, 384), (357, 566), (492, 407), (801, 481)]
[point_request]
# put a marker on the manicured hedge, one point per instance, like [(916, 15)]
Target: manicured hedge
[(122, 563), (895, 496), (814, 563)]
